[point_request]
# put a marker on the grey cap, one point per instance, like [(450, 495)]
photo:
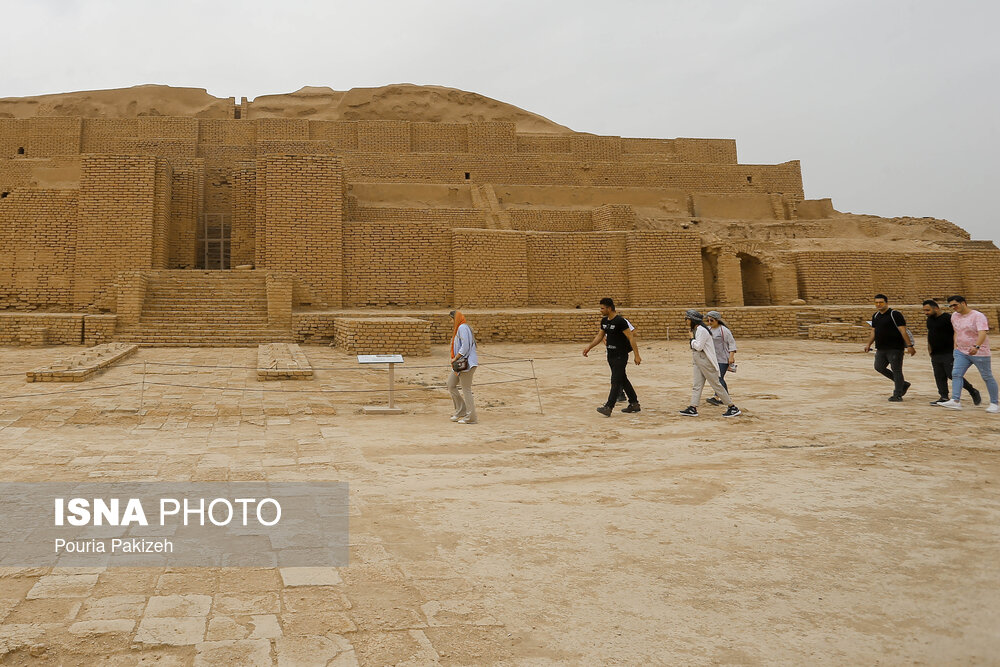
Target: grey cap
[(715, 315), (693, 315)]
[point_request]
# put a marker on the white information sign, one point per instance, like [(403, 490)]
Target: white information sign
[(391, 360), (380, 358)]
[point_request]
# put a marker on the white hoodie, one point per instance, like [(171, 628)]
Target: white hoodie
[(702, 342)]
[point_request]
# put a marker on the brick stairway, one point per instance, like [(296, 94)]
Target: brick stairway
[(204, 308)]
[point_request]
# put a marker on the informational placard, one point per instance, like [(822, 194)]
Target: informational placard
[(391, 360), (380, 358)]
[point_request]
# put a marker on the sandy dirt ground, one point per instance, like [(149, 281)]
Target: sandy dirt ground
[(825, 526)]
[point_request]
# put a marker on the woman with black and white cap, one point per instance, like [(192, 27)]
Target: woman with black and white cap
[(725, 349), (706, 367)]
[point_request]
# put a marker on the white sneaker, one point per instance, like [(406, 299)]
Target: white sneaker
[(466, 420), (951, 404), (455, 418), (993, 409)]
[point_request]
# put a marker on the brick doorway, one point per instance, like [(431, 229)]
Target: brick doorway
[(756, 281), (214, 241)]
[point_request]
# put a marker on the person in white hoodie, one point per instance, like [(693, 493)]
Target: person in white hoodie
[(706, 367)]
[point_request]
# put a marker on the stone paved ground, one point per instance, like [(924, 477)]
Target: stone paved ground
[(826, 525)]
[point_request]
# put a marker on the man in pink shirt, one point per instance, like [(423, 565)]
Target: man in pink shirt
[(972, 348)]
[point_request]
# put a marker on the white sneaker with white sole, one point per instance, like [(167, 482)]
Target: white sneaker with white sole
[(993, 409), (951, 405)]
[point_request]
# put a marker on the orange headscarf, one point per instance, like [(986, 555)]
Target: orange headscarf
[(459, 321)]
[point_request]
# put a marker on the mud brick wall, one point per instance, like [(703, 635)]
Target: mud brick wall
[(537, 170), (226, 132), (383, 335), (613, 217), (299, 221), (855, 277), (834, 277), (130, 295), (439, 138), (397, 264), (290, 146), (544, 143), (660, 147), (594, 147), (551, 220), (451, 217), (242, 235), (717, 151), (843, 332), (341, 135), (61, 329), (913, 277), (118, 222), (278, 129), (39, 137), (37, 248), (279, 299), (384, 136), (162, 200), (576, 269), (490, 268), (981, 275), (98, 329), (186, 201), (664, 268), (492, 138)]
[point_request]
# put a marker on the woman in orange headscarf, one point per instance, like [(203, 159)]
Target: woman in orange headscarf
[(464, 360)]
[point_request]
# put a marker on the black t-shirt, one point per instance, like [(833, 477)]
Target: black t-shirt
[(887, 336), (614, 334), (940, 334)]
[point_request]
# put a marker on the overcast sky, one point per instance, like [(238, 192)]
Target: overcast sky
[(891, 106)]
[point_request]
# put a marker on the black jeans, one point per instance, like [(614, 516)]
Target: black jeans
[(891, 359), (619, 380), (942, 365)]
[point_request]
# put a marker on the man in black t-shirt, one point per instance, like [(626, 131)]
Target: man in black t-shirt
[(890, 337), (620, 341), (941, 347)]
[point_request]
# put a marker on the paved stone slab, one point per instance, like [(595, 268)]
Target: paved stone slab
[(63, 586), (113, 607), (310, 576), (315, 650), (246, 653), (265, 626), (161, 606), (90, 628), (171, 631)]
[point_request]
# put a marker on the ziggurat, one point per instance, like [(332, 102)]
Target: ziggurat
[(253, 222)]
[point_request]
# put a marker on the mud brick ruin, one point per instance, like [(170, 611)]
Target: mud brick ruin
[(167, 216)]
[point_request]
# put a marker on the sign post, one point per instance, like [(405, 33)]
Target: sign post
[(391, 360)]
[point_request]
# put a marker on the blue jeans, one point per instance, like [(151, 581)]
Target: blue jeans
[(722, 374), (982, 364)]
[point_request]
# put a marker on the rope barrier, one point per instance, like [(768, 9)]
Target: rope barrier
[(71, 391)]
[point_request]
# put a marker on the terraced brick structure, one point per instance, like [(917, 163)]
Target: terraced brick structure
[(189, 218)]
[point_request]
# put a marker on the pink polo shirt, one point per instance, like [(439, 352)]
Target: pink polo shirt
[(967, 328)]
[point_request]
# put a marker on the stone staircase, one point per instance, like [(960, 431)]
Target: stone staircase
[(204, 308), (806, 319)]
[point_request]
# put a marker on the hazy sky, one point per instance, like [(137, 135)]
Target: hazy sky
[(891, 106)]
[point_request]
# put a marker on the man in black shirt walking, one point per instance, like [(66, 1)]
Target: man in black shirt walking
[(891, 338), (941, 347), (620, 341)]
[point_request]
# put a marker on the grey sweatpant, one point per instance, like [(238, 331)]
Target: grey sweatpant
[(465, 406), (704, 371)]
